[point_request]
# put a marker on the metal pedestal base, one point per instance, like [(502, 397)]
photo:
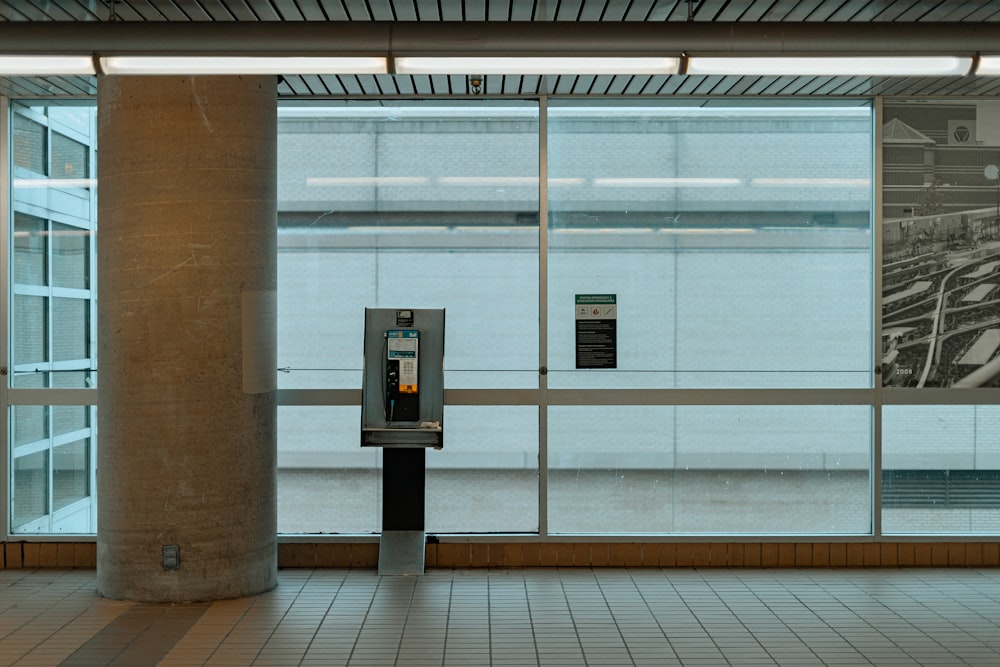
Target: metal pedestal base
[(401, 552)]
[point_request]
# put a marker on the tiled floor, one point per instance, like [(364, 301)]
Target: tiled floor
[(521, 617)]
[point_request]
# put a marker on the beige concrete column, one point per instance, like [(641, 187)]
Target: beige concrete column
[(186, 336)]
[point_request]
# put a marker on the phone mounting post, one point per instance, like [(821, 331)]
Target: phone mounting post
[(402, 411)]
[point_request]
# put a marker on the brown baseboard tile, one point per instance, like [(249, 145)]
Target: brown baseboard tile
[(17, 555)]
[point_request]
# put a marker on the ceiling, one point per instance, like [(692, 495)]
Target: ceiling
[(889, 14)]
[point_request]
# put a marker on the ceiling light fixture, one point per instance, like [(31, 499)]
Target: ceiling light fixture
[(988, 66), (242, 65), (831, 66), (542, 65), (29, 65)]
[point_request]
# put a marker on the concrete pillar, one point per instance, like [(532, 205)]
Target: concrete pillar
[(186, 337)]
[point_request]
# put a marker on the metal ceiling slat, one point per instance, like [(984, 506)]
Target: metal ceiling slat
[(287, 10), (192, 10), (404, 10), (824, 10), (615, 10), (427, 10), (475, 10), (55, 11), (216, 10), (661, 10), (381, 10), (30, 85), (568, 10), (350, 84), (239, 10), (528, 86), (743, 11), (819, 85), (593, 10), (403, 84), (965, 10), (311, 10), (334, 9), (990, 12), (295, 84), (709, 10), (440, 84), (9, 13), (169, 10), (637, 10), (69, 10), (853, 10), (334, 85), (710, 86), (802, 11), (779, 10), (723, 85), (521, 10), (134, 10), (689, 84), (852, 86), (635, 84), (29, 12), (449, 11), (618, 84), (741, 85), (896, 10), (358, 10), (497, 10), (933, 10), (918, 12), (680, 11)]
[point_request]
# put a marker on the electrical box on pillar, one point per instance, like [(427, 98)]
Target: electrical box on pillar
[(402, 389)]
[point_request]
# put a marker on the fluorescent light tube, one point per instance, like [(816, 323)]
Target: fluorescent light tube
[(46, 65), (542, 65), (988, 66), (241, 65), (832, 66)]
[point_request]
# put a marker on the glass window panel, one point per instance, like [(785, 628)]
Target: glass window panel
[(326, 482), (69, 158), (30, 499), (29, 328), (30, 146), (485, 478), (748, 259), (29, 250), (29, 380), (70, 256), (31, 423), (73, 379), (941, 469), (66, 419), (409, 206), (70, 328), (710, 469), (70, 473)]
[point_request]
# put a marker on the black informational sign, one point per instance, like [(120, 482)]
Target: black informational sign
[(596, 331)]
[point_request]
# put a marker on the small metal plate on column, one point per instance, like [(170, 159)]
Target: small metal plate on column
[(401, 552)]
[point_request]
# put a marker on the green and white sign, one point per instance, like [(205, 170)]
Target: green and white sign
[(596, 331)]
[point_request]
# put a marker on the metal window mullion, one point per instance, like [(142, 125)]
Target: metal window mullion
[(6, 461), (29, 448), (876, 463), (543, 316)]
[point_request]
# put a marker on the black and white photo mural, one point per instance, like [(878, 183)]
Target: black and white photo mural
[(941, 243)]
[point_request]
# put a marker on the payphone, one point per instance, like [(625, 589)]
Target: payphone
[(402, 379), (402, 411), (402, 389)]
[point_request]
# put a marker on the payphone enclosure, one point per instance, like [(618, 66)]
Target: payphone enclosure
[(402, 388)]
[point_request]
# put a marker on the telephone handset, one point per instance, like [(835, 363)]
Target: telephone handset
[(401, 375)]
